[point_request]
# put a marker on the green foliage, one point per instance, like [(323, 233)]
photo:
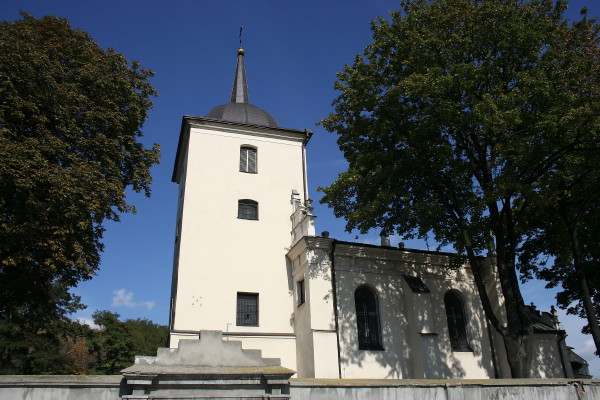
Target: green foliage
[(563, 247), (61, 346), (454, 118), (70, 120), (121, 341), (39, 345)]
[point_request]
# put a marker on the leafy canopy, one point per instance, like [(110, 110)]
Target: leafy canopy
[(454, 120), (457, 108), (70, 122)]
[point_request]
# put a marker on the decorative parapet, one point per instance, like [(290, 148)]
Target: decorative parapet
[(209, 367), (303, 220)]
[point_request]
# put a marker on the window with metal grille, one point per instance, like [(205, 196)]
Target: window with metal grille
[(248, 159), (367, 319), (247, 209), (457, 323), (247, 309)]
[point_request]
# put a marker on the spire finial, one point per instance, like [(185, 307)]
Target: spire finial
[(239, 94)]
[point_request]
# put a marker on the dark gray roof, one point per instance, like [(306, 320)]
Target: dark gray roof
[(239, 109), (243, 113)]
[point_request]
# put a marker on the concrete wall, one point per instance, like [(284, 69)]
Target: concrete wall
[(533, 389), (114, 388), (63, 387), (219, 255)]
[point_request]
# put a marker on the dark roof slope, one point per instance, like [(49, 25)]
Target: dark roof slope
[(239, 109)]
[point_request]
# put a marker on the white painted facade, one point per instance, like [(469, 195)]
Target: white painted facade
[(305, 284), (218, 254)]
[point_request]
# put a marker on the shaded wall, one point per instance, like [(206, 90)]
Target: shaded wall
[(114, 388), (531, 389)]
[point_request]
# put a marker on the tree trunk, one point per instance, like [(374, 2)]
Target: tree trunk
[(517, 334), (585, 291)]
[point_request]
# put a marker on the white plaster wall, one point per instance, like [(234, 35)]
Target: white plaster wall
[(221, 255), (315, 319), (304, 341), (414, 326), (283, 348), (394, 362), (546, 359), (326, 357)]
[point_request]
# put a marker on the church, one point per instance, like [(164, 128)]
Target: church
[(248, 262)]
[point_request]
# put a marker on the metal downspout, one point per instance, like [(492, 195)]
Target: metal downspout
[(335, 308)]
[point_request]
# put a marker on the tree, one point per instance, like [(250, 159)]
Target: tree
[(40, 345), (564, 246), (452, 118), (61, 346), (70, 122), (120, 341), (565, 217)]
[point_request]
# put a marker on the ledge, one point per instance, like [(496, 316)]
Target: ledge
[(61, 380), (315, 382)]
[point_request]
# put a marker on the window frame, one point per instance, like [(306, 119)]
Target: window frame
[(247, 204), (456, 320), (300, 293), (245, 164), (369, 329), (241, 296)]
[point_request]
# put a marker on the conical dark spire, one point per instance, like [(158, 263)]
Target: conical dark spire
[(239, 94), (239, 110)]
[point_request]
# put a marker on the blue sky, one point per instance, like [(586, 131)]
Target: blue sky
[(293, 51)]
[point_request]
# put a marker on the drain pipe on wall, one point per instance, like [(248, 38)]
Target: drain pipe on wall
[(335, 307)]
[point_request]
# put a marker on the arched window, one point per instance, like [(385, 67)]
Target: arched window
[(248, 159), (367, 319), (457, 323), (247, 209)]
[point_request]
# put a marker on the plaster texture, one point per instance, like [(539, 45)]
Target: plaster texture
[(208, 229)]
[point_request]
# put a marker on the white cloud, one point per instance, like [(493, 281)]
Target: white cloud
[(89, 322), (123, 298)]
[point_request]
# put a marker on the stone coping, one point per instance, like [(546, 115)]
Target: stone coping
[(316, 382), (61, 380), (140, 369)]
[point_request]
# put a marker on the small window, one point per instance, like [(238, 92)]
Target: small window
[(416, 284), (247, 209), (457, 323), (247, 309), (367, 319), (300, 292), (248, 159)]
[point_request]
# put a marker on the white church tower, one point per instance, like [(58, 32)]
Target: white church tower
[(240, 178)]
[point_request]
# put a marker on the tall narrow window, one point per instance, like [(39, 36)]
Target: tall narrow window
[(247, 209), (247, 309), (367, 319), (457, 323), (248, 159), (300, 292)]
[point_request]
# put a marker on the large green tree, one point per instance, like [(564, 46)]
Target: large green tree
[(563, 246), (117, 343), (70, 122), (452, 118)]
